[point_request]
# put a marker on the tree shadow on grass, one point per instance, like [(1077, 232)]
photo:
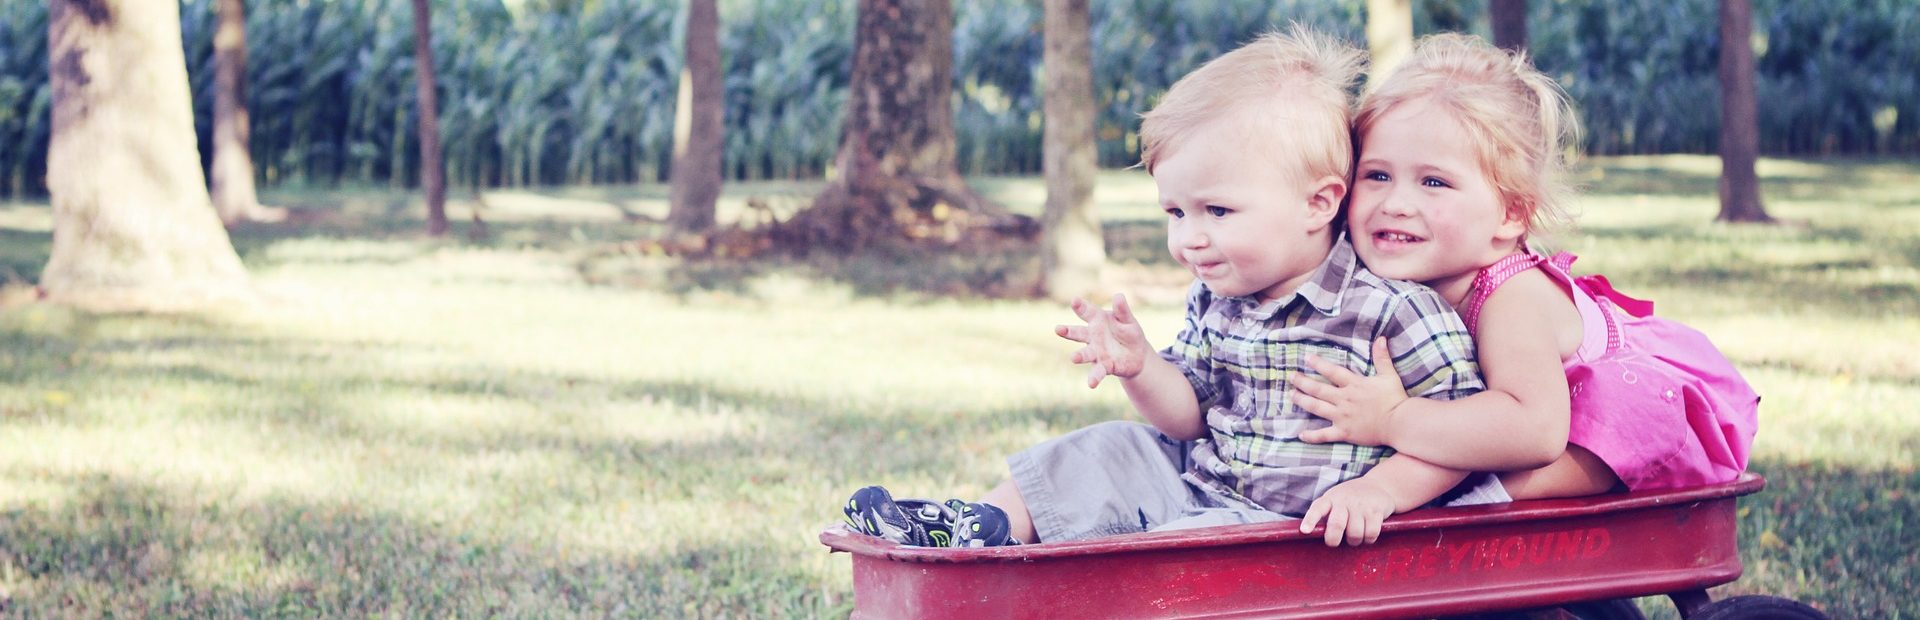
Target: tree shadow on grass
[(1846, 275), (561, 405), (389, 233), (135, 547), (1007, 269), (23, 254), (1850, 179), (745, 430), (904, 275), (123, 547), (1835, 537)]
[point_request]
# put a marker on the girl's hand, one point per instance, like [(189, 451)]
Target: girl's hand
[(1116, 345), (1354, 511), (1360, 407)]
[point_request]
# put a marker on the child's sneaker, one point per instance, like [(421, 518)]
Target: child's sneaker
[(919, 523), (980, 525)]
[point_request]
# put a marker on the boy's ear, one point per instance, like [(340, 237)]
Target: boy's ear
[(1323, 205)]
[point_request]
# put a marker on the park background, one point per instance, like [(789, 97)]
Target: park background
[(586, 406)]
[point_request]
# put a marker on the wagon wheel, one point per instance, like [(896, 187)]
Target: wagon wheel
[(1757, 607), (1610, 609)]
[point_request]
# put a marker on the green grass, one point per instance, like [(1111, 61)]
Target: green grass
[(544, 424)]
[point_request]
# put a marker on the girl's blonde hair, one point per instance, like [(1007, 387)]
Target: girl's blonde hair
[(1291, 92), (1516, 118)]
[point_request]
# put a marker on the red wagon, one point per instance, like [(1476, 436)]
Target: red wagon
[(1435, 562)]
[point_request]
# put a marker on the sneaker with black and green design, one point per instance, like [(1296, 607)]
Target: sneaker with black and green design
[(915, 522), (980, 525)]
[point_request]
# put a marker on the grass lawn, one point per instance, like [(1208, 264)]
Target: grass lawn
[(544, 424)]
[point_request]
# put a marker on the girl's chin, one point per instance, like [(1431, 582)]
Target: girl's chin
[(1392, 269)]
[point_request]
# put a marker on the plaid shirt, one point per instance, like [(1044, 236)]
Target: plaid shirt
[(1241, 356)]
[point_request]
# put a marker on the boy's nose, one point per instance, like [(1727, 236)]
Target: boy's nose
[(1194, 240)]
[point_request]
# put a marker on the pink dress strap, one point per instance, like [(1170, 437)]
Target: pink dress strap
[(1600, 332), (1653, 399)]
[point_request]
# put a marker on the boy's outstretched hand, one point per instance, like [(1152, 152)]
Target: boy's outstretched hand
[(1116, 345), (1360, 407), (1354, 511)]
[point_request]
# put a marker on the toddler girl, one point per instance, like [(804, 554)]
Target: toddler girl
[(1461, 155)]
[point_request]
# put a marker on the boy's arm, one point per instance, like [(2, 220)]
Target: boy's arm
[(1355, 509), (1165, 397), (1445, 424), (1116, 346)]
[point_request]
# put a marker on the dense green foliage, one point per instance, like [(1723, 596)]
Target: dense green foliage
[(583, 91), (25, 98), (1834, 77)]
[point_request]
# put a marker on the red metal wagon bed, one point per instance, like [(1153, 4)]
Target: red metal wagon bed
[(1433, 562)]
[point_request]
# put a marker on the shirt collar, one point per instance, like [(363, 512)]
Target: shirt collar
[(1322, 290)]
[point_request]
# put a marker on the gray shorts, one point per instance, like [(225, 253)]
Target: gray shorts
[(1126, 477), (1119, 478)]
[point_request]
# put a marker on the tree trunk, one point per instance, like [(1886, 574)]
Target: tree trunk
[(1509, 21), (698, 129), (231, 181), (896, 176), (1389, 37), (1739, 117), (433, 177), (134, 226), (1074, 250)]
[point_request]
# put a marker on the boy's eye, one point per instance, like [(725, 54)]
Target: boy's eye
[(1217, 211), (1175, 212), (1433, 182), (1376, 175)]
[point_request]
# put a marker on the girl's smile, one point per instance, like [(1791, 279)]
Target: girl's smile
[(1422, 208)]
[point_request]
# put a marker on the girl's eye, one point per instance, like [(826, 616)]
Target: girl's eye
[(1433, 182), (1175, 212), (1376, 175), (1217, 211)]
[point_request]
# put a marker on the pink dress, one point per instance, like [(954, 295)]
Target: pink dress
[(1652, 398)]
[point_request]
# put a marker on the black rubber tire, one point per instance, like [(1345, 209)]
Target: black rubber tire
[(1610, 609), (1757, 607)]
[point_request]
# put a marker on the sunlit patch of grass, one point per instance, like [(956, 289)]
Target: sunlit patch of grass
[(27, 218), (523, 427)]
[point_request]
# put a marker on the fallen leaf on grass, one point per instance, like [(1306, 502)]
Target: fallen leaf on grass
[(1770, 540)]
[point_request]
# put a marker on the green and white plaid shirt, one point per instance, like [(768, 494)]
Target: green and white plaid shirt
[(1242, 355)]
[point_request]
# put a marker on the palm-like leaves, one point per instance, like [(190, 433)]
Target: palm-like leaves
[(582, 91), (25, 96)]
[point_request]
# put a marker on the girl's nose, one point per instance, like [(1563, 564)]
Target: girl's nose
[(1395, 205)]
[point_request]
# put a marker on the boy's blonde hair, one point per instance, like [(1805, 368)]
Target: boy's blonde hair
[(1516, 118), (1291, 92)]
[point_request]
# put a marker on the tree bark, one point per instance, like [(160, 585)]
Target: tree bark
[(1073, 248), (134, 226), (231, 179), (1509, 21), (433, 176), (896, 175), (699, 131), (1739, 117), (1389, 37)]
